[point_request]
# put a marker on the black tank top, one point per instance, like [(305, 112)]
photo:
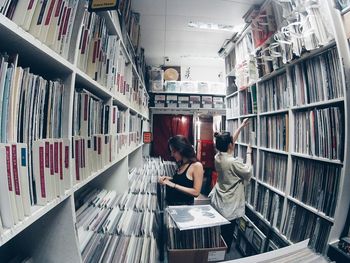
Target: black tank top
[(176, 197)]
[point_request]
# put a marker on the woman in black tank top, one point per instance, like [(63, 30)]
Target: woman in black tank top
[(187, 181)]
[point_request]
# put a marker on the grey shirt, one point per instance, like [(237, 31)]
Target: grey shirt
[(227, 195)]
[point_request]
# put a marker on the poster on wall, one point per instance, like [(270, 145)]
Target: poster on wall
[(102, 5)]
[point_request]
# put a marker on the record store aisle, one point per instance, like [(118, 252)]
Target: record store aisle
[(91, 91)]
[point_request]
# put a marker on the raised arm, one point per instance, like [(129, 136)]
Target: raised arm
[(244, 123)]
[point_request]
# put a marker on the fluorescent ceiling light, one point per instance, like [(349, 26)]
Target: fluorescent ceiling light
[(213, 26)]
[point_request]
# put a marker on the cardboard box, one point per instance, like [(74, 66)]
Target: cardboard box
[(200, 255)]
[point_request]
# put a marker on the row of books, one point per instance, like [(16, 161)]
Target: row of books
[(193, 227), (104, 216), (135, 29), (177, 101), (233, 107), (98, 52), (250, 192), (320, 132), (58, 23), (270, 205), (143, 181), (249, 134), (246, 73), (269, 58), (316, 184), (92, 116), (192, 239), (30, 106), (248, 103), (102, 57), (274, 132), (114, 221), (273, 169), (15, 195), (230, 61), (112, 248), (241, 152), (263, 24), (300, 224), (52, 22), (274, 94), (42, 172), (317, 79), (232, 126), (91, 154), (279, 33)]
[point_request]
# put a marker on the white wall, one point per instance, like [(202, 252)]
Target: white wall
[(200, 69)]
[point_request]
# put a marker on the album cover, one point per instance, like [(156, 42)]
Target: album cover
[(196, 216)]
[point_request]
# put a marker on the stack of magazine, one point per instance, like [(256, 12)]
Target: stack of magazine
[(121, 227), (192, 227)]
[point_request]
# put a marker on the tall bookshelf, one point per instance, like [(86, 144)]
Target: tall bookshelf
[(284, 104), (49, 234)]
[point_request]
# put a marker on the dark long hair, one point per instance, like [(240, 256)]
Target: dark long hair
[(183, 146), (222, 141)]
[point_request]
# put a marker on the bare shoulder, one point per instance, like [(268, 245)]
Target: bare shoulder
[(197, 166)]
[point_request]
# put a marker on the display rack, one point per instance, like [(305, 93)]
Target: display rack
[(287, 147), (50, 228)]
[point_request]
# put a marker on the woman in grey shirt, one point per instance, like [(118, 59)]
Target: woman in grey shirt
[(227, 195)]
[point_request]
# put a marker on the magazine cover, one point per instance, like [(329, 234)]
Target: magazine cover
[(195, 216)]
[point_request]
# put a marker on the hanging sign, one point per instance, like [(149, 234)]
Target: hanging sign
[(102, 5), (147, 137)]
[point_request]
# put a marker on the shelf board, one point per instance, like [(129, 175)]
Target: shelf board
[(246, 144), (187, 93), (280, 192), (316, 158), (17, 40), (312, 53), (232, 94), (311, 209), (37, 213), (115, 31), (92, 85), (303, 57), (233, 118), (273, 112), (97, 89), (248, 115), (261, 217), (99, 172), (273, 150), (272, 74), (316, 104)]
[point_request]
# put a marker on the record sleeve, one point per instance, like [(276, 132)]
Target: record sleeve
[(194, 217)]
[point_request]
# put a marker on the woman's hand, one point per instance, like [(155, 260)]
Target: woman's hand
[(165, 180), (249, 149), (245, 122)]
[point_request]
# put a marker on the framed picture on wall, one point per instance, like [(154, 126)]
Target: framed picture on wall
[(172, 73)]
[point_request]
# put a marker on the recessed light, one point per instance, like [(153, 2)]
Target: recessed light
[(214, 26)]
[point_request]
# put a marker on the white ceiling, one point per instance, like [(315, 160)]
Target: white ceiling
[(165, 33)]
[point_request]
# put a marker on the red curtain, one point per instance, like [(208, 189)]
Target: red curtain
[(166, 126)]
